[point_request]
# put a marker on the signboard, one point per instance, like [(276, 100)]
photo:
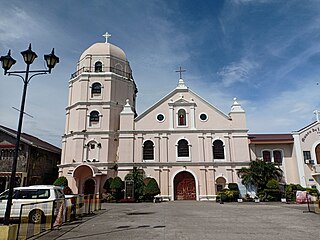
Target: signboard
[(302, 197)]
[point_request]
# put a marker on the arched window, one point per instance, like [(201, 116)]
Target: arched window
[(266, 155), (96, 88), (218, 149), (277, 156), (148, 150), (183, 148), (181, 117), (317, 152), (94, 118), (98, 67)]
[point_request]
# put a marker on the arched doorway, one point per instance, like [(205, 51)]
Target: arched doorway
[(184, 186), (318, 154), (89, 187)]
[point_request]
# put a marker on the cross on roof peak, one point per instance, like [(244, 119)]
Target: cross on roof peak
[(180, 71), (106, 35)]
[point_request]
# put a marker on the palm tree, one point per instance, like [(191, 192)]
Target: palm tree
[(259, 173), (137, 176)]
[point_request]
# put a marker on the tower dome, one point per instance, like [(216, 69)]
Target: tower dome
[(104, 49), (104, 57)]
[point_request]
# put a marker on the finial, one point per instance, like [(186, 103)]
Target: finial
[(106, 35), (235, 101), (236, 107)]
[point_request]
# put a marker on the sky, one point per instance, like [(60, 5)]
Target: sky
[(266, 53)]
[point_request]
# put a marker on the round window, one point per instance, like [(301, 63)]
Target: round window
[(203, 117), (160, 117)]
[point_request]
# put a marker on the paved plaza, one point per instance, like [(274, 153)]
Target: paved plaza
[(195, 220)]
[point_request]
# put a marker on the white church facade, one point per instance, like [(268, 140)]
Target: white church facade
[(190, 147)]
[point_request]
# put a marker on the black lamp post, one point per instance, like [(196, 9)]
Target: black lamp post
[(7, 61)]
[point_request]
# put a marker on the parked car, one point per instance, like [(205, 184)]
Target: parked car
[(40, 200)]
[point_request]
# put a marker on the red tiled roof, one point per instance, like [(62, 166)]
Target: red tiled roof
[(256, 138), (33, 141)]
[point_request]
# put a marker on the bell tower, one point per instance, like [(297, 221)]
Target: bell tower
[(98, 91)]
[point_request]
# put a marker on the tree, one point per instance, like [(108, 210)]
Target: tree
[(259, 173), (61, 181), (116, 187), (136, 175), (107, 185), (151, 189)]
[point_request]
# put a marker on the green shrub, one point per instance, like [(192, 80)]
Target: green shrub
[(233, 186), (272, 195), (116, 186), (107, 197), (272, 184), (151, 189), (313, 192), (61, 181), (290, 191), (107, 184), (271, 192), (227, 195)]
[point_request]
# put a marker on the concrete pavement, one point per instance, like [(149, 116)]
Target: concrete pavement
[(194, 220)]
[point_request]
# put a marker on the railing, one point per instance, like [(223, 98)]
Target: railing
[(36, 218), (104, 69)]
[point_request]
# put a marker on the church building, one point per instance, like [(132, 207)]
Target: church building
[(189, 146)]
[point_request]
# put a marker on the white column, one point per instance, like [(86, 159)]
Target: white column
[(208, 148), (139, 148), (157, 149), (171, 117), (192, 116), (201, 148), (300, 161)]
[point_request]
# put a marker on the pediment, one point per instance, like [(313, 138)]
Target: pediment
[(182, 101)]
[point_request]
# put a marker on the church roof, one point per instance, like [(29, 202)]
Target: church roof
[(307, 127), (270, 138), (104, 49), (32, 140)]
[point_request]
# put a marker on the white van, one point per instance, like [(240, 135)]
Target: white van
[(39, 200)]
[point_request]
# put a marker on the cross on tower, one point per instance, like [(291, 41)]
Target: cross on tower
[(106, 35), (180, 71)]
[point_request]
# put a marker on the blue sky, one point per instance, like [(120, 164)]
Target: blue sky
[(264, 52)]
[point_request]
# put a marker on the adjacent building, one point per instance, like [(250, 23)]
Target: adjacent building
[(187, 144), (37, 159)]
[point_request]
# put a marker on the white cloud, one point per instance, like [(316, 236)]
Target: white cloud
[(289, 111), (237, 72), (17, 24)]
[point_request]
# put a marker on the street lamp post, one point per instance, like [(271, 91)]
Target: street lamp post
[(7, 61)]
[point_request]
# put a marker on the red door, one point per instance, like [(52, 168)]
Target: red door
[(184, 186)]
